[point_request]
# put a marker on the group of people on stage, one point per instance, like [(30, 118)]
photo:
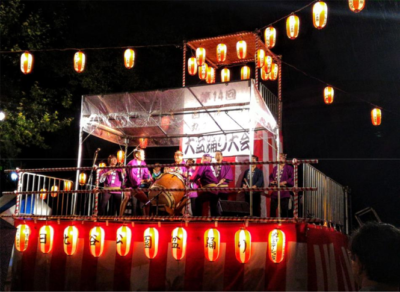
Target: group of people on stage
[(133, 180)]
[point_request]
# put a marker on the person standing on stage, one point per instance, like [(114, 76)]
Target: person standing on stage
[(156, 172), (257, 181), (285, 174), (178, 169), (223, 173), (193, 185)]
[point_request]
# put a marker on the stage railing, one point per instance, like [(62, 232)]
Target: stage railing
[(271, 100)]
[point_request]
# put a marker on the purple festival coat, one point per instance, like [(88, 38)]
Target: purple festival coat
[(205, 174), (287, 175), (135, 175), (227, 174)]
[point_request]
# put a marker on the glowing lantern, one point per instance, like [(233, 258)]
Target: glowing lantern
[(120, 156), (264, 74), (203, 71), (268, 64), (43, 196), (129, 58), (320, 14), (270, 37), (124, 238), (97, 241), (243, 245), (356, 5), (212, 244), (179, 241), (102, 164), (46, 236), (245, 73), (201, 56), (68, 185), (71, 234), (376, 116), (22, 237), (151, 242), (328, 94), (82, 178), (143, 142), (241, 49), (276, 245), (165, 122), (55, 189), (292, 26), (273, 75), (26, 62), (192, 66), (221, 53), (79, 61), (225, 75), (210, 75), (260, 57)]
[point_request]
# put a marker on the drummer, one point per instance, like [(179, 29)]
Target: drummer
[(182, 170), (223, 173)]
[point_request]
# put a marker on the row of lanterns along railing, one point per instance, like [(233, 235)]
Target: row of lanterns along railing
[(123, 239)]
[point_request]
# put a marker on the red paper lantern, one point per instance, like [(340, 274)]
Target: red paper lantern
[(43, 196), (179, 242), (102, 164), (268, 64), (241, 49), (320, 14), (26, 62), (270, 37), (165, 122), (225, 75), (203, 71), (210, 75), (292, 26), (68, 185), (329, 93), (129, 58), (151, 242), (55, 189), (71, 235), (260, 58), (264, 74), (376, 116), (22, 237), (356, 5), (124, 238), (221, 53), (46, 237), (276, 246), (192, 66), (143, 142), (120, 156), (243, 245), (212, 244), (273, 75), (82, 178), (245, 73), (97, 235), (79, 61), (201, 56)]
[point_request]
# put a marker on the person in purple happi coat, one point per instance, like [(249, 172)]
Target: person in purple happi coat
[(223, 173)]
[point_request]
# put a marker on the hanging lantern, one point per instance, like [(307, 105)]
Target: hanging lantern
[(120, 156), (97, 241), (268, 64), (329, 93), (102, 164), (245, 73), (276, 245), (192, 66), (43, 196), (212, 244), (79, 61), (270, 37), (201, 56), (273, 75), (143, 142), (356, 5), (264, 74), (26, 62), (243, 245), (376, 116), (55, 189), (165, 122), (203, 71), (225, 75), (46, 237), (320, 14), (221, 53), (68, 185), (260, 58), (22, 237), (151, 242), (292, 26), (179, 242), (210, 75), (241, 49), (71, 234), (82, 178), (129, 58), (124, 238)]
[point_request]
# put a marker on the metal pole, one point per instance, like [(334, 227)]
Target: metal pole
[(251, 150), (74, 196), (296, 194), (184, 65), (277, 171)]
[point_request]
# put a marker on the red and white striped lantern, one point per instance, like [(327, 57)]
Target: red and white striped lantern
[(192, 66), (212, 244), (264, 74), (22, 237), (241, 49), (203, 71), (55, 189), (376, 116), (46, 238), (292, 26), (273, 75), (221, 52), (243, 245), (97, 235), (178, 243), (356, 5), (26, 62), (129, 58), (329, 93), (71, 235), (68, 185), (260, 58), (79, 61), (320, 15), (276, 246), (124, 239), (225, 75), (210, 79), (270, 37), (201, 56), (245, 73), (151, 242), (268, 64)]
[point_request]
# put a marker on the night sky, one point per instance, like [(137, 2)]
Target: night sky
[(357, 53)]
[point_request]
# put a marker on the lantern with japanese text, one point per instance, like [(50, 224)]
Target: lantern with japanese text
[(264, 74), (212, 244), (22, 237), (273, 75), (143, 143), (260, 58), (276, 245), (55, 189), (356, 5), (82, 178), (376, 116), (43, 195), (221, 53), (120, 156), (200, 56), (124, 238), (270, 37), (68, 185), (71, 234), (178, 243), (243, 245), (268, 64), (79, 61), (292, 26), (203, 71), (26, 62), (241, 49), (225, 75), (129, 58), (192, 66), (150, 242), (102, 164), (329, 93), (210, 75), (245, 73), (320, 14), (97, 235), (46, 237)]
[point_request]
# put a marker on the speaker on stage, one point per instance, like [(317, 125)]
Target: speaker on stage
[(234, 208)]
